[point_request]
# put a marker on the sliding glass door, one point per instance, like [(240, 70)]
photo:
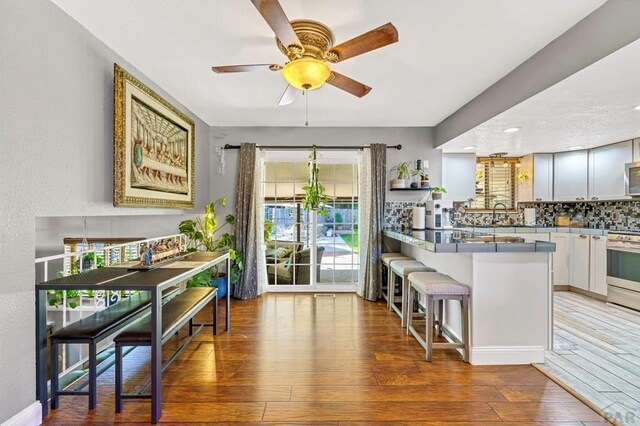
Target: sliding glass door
[(305, 251)]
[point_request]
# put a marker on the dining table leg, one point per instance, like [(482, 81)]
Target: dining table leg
[(41, 350), (156, 355)]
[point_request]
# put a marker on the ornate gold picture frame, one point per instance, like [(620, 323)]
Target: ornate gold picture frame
[(154, 148)]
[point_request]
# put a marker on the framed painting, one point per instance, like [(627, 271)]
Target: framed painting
[(154, 148)]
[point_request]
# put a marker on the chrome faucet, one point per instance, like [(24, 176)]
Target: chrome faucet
[(506, 212)]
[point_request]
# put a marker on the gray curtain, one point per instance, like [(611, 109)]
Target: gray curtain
[(372, 289), (245, 227)]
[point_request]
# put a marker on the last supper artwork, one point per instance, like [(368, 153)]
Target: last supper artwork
[(159, 149), (154, 148)]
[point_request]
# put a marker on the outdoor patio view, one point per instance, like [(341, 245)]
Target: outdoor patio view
[(296, 235)]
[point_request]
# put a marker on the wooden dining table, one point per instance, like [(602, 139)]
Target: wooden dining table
[(121, 278)]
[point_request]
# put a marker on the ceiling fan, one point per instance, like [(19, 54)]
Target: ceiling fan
[(308, 45)]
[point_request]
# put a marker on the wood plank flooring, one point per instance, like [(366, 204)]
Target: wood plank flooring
[(597, 355), (297, 359)]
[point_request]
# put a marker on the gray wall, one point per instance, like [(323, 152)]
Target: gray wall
[(417, 142), (56, 142), (607, 29)]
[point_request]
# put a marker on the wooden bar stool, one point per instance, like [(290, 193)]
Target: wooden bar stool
[(403, 268), (386, 259), (435, 286)]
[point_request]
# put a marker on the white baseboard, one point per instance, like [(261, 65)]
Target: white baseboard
[(506, 355), (30, 416)]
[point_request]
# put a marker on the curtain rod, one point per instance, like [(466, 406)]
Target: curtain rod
[(325, 147)]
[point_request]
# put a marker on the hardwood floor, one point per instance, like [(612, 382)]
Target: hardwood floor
[(597, 354), (296, 358)]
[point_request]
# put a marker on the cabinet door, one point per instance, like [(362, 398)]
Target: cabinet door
[(598, 265), (570, 175), (543, 177), (561, 258), (606, 170), (636, 150), (459, 176), (579, 270)]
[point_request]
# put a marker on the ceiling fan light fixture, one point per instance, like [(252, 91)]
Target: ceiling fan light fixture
[(306, 73)]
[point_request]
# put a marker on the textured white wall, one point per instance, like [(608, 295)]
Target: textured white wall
[(56, 103)]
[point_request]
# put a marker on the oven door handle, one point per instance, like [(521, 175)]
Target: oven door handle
[(625, 249)]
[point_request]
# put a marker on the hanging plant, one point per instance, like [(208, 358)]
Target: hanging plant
[(314, 193), (523, 176)]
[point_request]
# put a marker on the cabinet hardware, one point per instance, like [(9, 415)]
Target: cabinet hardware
[(583, 236), (538, 199), (594, 198), (595, 237)]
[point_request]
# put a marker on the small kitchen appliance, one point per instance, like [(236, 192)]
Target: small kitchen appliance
[(438, 213)]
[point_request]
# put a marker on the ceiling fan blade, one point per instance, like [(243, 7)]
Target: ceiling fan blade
[(289, 96), (348, 84), (272, 12), (374, 39), (246, 68)]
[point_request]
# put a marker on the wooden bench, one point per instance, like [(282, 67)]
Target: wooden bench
[(92, 330), (175, 314)]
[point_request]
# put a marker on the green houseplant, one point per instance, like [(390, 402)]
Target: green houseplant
[(437, 192), (207, 235), (315, 197), (403, 174)]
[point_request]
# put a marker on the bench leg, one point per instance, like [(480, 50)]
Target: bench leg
[(191, 327), (215, 314), (429, 327), (119, 379), (54, 376), (93, 379)]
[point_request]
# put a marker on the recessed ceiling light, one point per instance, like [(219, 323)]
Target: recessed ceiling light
[(469, 148), (511, 129), (575, 147), (637, 108)]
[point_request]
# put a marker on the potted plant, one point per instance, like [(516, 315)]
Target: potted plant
[(403, 173), (268, 229), (314, 193), (437, 192), (208, 236)]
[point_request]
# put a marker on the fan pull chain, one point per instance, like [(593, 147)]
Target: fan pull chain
[(306, 101)]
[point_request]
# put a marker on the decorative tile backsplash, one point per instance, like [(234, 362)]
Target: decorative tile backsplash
[(599, 215)]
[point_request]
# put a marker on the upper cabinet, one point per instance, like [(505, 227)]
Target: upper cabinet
[(636, 150), (570, 175), (606, 170), (542, 177), (459, 176)]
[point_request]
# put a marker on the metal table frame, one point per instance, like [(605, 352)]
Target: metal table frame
[(156, 319)]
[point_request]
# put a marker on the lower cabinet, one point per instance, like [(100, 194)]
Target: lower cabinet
[(579, 269), (561, 258), (580, 261), (598, 265)]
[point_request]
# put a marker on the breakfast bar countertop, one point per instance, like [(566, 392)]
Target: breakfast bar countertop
[(464, 241)]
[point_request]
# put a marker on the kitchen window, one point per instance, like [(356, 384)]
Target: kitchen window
[(495, 183)]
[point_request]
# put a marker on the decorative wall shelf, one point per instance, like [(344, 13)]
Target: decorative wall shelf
[(411, 189)]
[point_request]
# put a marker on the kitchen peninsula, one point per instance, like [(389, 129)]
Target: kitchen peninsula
[(511, 289)]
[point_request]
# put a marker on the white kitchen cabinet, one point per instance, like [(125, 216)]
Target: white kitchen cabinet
[(570, 171), (561, 258), (459, 176), (542, 177), (598, 265), (636, 150), (606, 170), (579, 269)]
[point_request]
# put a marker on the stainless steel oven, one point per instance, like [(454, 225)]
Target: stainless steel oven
[(623, 269)]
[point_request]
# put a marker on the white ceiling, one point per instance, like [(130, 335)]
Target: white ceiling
[(449, 52), (590, 108)]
